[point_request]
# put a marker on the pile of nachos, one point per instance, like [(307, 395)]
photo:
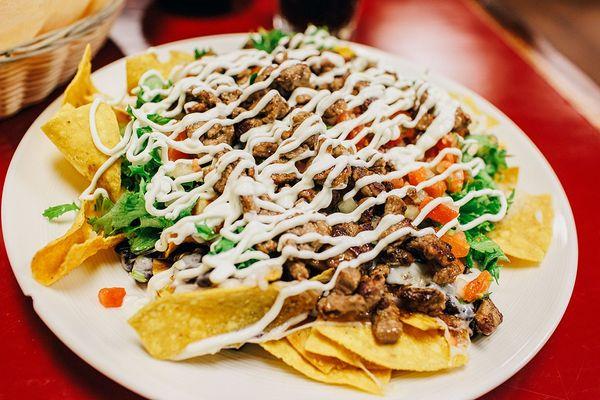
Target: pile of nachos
[(294, 194)]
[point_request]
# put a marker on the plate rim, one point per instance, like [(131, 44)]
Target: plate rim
[(470, 392)]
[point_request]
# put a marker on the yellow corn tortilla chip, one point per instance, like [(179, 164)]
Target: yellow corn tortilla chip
[(416, 350), (61, 13), (95, 6), (69, 130), (324, 364), (81, 90), (349, 376), (422, 322), (508, 178), (324, 276), (137, 65), (167, 325), (21, 21), (69, 251), (526, 232), (323, 346)]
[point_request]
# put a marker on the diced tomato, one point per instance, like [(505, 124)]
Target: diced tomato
[(441, 213), (442, 166), (437, 189), (417, 176), (479, 286), (455, 181), (397, 183), (111, 297), (393, 143), (422, 174), (458, 241), (362, 142), (448, 140), (452, 158), (175, 154), (406, 135)]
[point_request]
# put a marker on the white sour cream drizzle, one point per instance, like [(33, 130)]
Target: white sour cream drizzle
[(389, 96)]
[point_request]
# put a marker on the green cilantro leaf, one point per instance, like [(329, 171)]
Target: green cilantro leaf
[(268, 40), (200, 53), (56, 211), (252, 78)]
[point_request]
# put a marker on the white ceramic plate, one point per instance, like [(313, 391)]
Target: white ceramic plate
[(532, 299)]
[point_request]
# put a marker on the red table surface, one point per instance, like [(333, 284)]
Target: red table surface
[(453, 39)]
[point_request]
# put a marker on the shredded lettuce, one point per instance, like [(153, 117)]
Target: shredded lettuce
[(484, 252), (129, 216), (205, 232), (223, 244), (158, 119), (489, 151), (132, 176), (58, 210)]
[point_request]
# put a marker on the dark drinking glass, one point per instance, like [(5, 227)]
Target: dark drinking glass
[(337, 15)]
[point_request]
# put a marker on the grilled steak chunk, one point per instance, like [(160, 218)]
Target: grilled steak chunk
[(426, 300), (348, 280), (438, 253), (387, 326), (372, 286), (487, 317), (342, 307), (291, 78)]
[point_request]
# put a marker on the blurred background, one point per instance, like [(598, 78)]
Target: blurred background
[(560, 38)]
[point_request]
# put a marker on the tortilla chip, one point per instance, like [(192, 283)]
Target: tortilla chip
[(61, 13), (318, 344), (422, 322), (507, 179), (81, 90), (95, 6), (324, 364), (21, 21), (69, 251), (324, 276), (69, 130), (348, 376), (167, 325), (526, 232), (137, 65), (416, 350)]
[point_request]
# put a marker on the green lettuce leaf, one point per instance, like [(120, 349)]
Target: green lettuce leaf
[(58, 210)]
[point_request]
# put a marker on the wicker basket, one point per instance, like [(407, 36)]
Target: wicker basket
[(29, 72)]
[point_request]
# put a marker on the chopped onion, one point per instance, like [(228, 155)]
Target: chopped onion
[(347, 206), (411, 212)]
